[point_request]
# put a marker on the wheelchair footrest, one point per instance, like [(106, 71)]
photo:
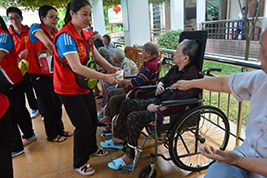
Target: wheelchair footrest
[(125, 170)]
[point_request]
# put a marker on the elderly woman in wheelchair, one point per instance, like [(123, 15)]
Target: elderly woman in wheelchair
[(136, 113)]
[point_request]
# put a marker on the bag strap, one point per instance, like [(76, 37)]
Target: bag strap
[(87, 51)]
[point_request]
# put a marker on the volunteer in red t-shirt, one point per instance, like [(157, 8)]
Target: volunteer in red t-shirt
[(20, 36), (70, 47), (40, 39), (19, 113)]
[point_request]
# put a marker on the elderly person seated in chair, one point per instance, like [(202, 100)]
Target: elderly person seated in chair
[(136, 113), (148, 74), (127, 65)]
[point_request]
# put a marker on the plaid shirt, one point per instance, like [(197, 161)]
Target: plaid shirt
[(189, 72)]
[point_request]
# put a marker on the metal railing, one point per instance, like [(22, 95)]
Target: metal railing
[(231, 29)]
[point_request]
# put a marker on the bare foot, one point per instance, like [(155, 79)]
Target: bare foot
[(117, 140), (126, 159)]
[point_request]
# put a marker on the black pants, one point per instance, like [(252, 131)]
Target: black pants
[(29, 92), (238, 30), (19, 116), (44, 89), (6, 169), (132, 119), (81, 110)]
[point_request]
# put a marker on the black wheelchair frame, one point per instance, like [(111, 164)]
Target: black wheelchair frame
[(184, 133)]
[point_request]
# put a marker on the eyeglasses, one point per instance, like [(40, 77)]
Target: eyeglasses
[(14, 18), (54, 17)]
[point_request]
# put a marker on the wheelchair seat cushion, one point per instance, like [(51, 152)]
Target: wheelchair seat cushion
[(109, 144)]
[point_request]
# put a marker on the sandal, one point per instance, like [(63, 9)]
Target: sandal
[(58, 138), (67, 134), (110, 144), (100, 152), (119, 163), (83, 170)]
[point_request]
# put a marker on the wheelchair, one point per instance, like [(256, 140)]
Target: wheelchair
[(184, 133)]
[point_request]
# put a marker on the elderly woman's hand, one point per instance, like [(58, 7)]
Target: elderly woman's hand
[(160, 88)]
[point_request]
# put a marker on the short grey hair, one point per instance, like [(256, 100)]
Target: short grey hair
[(118, 53), (190, 49), (103, 51)]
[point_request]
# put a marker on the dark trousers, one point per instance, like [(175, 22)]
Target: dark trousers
[(29, 92), (113, 107), (6, 169), (132, 119), (238, 30), (81, 110), (19, 116), (44, 89)]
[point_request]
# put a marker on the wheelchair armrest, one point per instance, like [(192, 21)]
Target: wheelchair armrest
[(129, 76), (148, 87), (181, 102)]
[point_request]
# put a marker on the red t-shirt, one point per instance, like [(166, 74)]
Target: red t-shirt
[(3, 104), (21, 41), (64, 80), (9, 64), (34, 48)]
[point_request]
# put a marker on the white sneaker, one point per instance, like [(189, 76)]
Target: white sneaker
[(35, 113)]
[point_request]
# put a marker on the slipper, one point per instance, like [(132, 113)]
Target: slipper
[(119, 163), (99, 97), (99, 115), (58, 138), (83, 169), (67, 134), (100, 152), (110, 144)]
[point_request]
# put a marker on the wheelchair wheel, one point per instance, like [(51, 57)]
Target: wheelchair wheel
[(199, 127), (144, 173)]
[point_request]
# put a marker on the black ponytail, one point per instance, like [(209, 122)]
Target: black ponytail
[(3, 24), (67, 16), (75, 6)]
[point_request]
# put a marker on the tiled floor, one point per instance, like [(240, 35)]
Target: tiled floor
[(44, 159)]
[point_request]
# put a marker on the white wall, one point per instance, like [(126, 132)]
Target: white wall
[(234, 9)]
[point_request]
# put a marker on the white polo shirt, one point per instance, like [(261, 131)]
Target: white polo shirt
[(252, 86)]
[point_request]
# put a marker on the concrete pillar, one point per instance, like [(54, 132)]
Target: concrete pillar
[(177, 14), (201, 12), (135, 21), (98, 16)]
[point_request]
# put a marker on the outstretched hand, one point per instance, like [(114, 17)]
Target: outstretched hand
[(181, 85), (221, 156), (111, 78)]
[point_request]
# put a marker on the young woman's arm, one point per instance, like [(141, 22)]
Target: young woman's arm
[(78, 68), (43, 38)]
